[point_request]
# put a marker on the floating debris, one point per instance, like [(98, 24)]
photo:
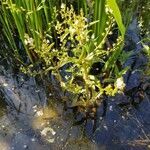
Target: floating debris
[(39, 113), (46, 130)]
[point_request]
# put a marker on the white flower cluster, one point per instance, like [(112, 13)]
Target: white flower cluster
[(120, 85), (28, 40)]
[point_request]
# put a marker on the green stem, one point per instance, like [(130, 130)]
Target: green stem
[(85, 77)]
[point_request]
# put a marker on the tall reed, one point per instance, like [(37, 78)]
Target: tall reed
[(26, 17)]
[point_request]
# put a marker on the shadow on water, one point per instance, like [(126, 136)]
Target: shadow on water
[(32, 119)]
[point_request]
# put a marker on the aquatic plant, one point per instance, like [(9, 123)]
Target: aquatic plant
[(143, 16), (136, 9), (146, 49), (73, 58), (64, 42)]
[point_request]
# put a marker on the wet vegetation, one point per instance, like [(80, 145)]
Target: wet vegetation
[(79, 58)]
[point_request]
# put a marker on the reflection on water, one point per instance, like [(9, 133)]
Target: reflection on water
[(29, 123), (42, 131), (2, 109), (43, 115), (4, 145)]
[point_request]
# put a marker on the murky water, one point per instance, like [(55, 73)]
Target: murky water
[(28, 122)]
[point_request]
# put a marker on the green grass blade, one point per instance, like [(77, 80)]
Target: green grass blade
[(100, 15), (117, 15)]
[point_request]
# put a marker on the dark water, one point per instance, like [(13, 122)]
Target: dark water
[(31, 119), (30, 123)]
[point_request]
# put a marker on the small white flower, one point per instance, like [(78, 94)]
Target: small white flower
[(76, 22), (30, 41), (62, 6), (72, 30), (66, 77), (25, 42), (92, 77), (106, 9), (48, 42), (120, 83), (111, 11)]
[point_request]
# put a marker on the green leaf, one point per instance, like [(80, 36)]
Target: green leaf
[(117, 15)]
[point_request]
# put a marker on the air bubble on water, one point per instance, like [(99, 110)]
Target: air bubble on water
[(105, 127), (33, 139), (25, 146), (37, 91), (13, 88), (110, 108), (123, 117), (101, 118)]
